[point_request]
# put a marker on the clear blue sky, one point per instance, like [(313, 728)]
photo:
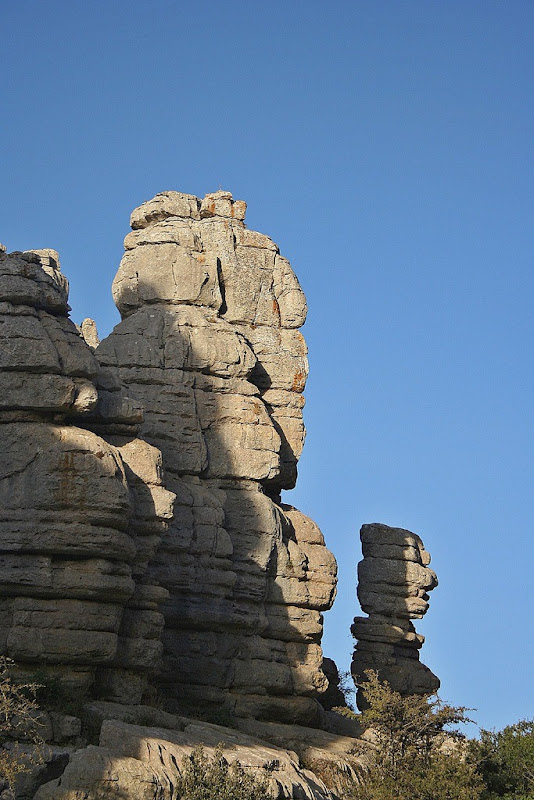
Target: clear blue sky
[(388, 148)]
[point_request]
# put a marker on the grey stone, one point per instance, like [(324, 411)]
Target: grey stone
[(393, 581), (208, 345)]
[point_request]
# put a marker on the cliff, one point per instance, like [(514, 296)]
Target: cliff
[(147, 560)]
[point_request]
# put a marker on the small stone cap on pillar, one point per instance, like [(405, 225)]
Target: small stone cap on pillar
[(49, 258), (222, 204)]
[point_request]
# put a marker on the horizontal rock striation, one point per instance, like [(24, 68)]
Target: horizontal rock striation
[(71, 510), (393, 585), (142, 762), (209, 346)]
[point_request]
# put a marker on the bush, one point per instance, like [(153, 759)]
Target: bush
[(202, 778), (416, 756), (18, 720), (506, 761)]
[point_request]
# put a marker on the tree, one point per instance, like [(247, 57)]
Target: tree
[(416, 756), (506, 761), (18, 720)]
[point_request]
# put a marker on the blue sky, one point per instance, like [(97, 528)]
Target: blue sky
[(387, 148)]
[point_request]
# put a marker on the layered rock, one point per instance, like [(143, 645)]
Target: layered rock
[(209, 346), (393, 584), (145, 763), (70, 516)]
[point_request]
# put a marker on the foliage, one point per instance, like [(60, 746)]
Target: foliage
[(52, 694), (415, 756), (202, 778), (346, 711), (506, 761), (18, 721)]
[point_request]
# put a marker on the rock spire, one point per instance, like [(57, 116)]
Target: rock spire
[(393, 584), (209, 346)]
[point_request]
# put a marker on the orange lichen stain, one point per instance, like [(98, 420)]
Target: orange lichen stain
[(200, 258), (302, 341), (211, 207), (257, 408), (276, 307), (232, 212), (299, 381)]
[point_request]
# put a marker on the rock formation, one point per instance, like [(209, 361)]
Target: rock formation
[(199, 386), (139, 762), (393, 585), (209, 346), (75, 509), (144, 546)]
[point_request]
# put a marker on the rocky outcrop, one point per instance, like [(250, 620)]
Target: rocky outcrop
[(140, 489), (393, 584), (142, 762), (74, 506), (144, 544), (209, 346)]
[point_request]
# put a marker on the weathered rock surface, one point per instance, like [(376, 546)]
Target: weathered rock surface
[(393, 584), (144, 763), (209, 346), (74, 516), (143, 538)]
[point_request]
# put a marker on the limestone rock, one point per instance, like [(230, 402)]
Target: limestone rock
[(143, 534), (90, 333), (334, 696), (78, 525), (393, 584), (144, 763), (209, 347)]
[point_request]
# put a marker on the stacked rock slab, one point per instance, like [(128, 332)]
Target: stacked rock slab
[(68, 549), (393, 585), (210, 347)]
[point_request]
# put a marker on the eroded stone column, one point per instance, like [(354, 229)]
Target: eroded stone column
[(209, 345), (393, 584)]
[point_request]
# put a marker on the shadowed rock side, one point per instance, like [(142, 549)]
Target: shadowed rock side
[(393, 585), (209, 346), (73, 593)]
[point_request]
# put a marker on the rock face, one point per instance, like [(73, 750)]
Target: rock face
[(135, 761), (143, 532), (393, 585), (209, 346), (73, 593)]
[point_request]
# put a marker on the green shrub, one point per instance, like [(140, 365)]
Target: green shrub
[(415, 756), (202, 778), (18, 721), (52, 695), (506, 761)]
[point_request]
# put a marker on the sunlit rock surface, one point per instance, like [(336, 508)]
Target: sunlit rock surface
[(209, 346), (74, 507), (393, 584)]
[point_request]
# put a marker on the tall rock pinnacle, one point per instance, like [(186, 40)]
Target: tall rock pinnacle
[(209, 346), (393, 585)]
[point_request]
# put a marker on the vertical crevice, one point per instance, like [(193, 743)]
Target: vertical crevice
[(224, 308)]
